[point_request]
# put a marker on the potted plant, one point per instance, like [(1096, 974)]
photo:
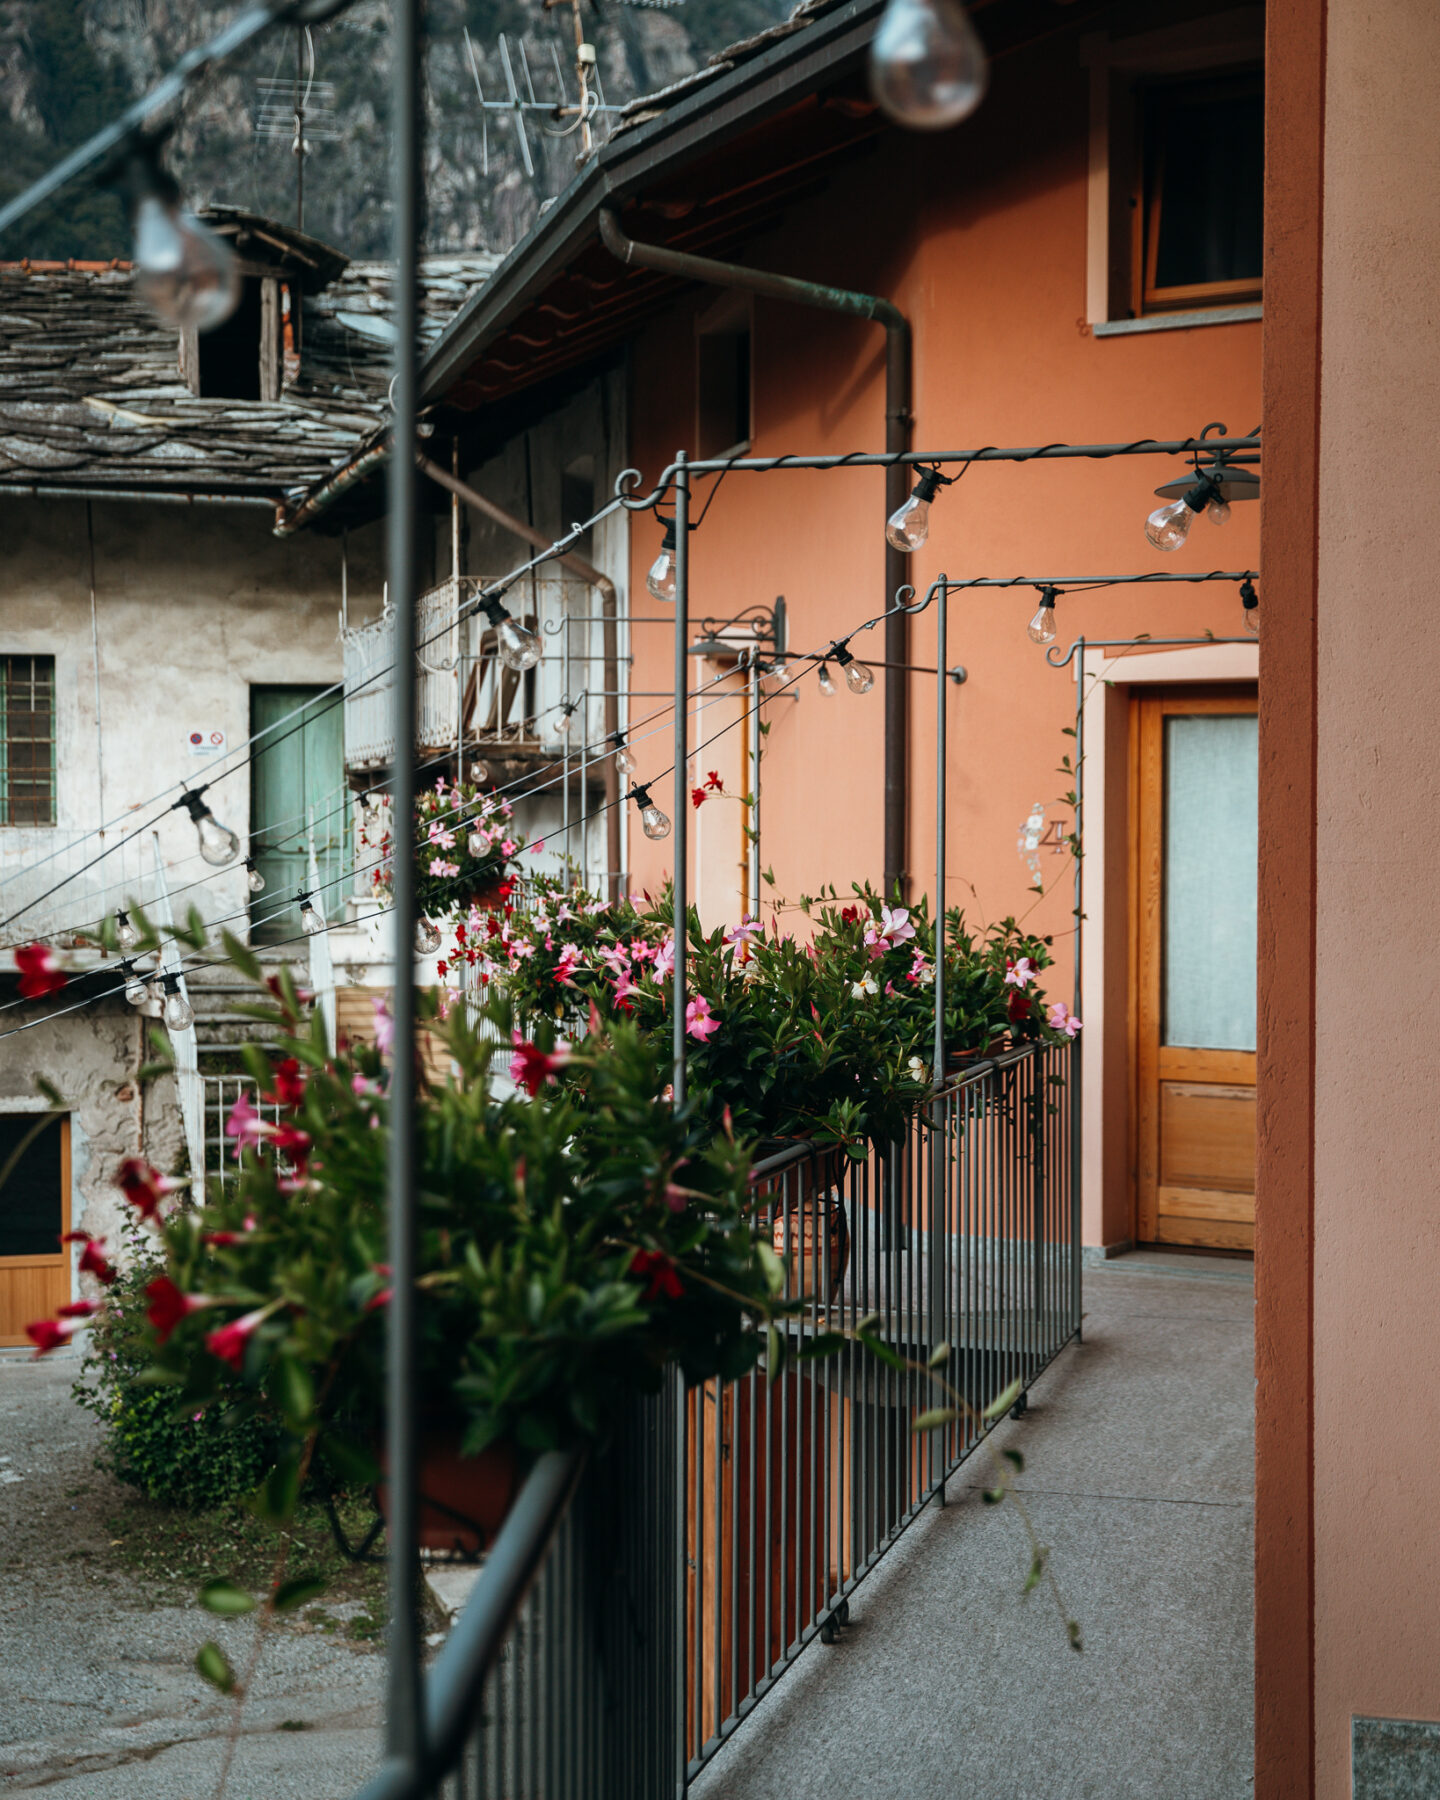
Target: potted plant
[(466, 848)]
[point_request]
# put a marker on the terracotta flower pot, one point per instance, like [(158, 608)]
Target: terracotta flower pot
[(464, 1500), (811, 1236)]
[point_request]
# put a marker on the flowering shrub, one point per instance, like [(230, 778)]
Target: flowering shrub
[(832, 1039), (465, 843), (567, 1254)]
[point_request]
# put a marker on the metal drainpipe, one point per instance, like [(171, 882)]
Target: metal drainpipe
[(897, 437), (605, 587)]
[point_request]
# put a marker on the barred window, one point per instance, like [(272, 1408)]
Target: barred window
[(27, 740)]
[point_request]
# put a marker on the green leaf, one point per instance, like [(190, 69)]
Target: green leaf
[(294, 1391), (1037, 1569), (211, 1666), (242, 957), (298, 1591), (277, 1494), (824, 1343), (51, 1093), (1003, 1402), (869, 1322), (939, 1356), (771, 1265), (774, 1353), (352, 1464), (225, 1598), (1015, 1459), (934, 1419), (1072, 1631), (892, 1358), (993, 1496)]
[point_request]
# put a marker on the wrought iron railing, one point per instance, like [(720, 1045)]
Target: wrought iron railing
[(727, 1526)]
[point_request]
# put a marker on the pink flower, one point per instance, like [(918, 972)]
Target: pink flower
[(440, 837), (664, 959), (289, 1089), (40, 971), (568, 961), (531, 1068), (1019, 974), (230, 1341), (537, 846), (624, 988), (440, 867), (362, 1084), (245, 1124), (509, 847), (699, 1021), (1062, 1019), (641, 951), (384, 1028), (168, 1306), (745, 930)]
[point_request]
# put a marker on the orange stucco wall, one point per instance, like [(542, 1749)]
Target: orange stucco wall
[(980, 236)]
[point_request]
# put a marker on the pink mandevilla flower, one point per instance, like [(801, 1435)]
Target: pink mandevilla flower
[(699, 1021), (229, 1342), (531, 1067), (1019, 974), (1062, 1019), (384, 1028)]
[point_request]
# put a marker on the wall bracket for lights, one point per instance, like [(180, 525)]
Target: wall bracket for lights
[(757, 635)]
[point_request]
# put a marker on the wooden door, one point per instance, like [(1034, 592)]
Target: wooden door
[(1193, 913), (34, 1213), (297, 770)]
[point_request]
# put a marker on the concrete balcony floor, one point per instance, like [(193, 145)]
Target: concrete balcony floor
[(1139, 1477)]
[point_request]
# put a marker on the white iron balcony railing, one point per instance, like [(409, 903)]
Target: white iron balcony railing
[(462, 681)]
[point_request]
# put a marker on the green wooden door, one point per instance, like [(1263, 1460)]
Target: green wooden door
[(297, 771)]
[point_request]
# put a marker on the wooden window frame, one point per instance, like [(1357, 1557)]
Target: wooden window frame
[(7, 819), (1146, 201)]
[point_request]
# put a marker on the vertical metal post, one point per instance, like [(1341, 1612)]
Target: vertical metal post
[(942, 597), (752, 860), (1076, 1061), (404, 1717), (681, 800)]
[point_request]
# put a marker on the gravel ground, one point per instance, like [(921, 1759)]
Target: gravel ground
[(98, 1696)]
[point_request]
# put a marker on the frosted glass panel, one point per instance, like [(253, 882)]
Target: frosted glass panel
[(1211, 768)]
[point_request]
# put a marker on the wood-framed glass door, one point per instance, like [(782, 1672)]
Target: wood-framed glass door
[(34, 1215), (1195, 784)]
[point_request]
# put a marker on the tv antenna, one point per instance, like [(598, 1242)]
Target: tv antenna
[(302, 110), (556, 113)]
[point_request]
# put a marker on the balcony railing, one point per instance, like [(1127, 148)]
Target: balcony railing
[(85, 885), (618, 1637), (460, 679)]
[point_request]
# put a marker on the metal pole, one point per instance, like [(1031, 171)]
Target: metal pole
[(681, 801), (1076, 1055), (752, 860), (403, 1723), (937, 1072)]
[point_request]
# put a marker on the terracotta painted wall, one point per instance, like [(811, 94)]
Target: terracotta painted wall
[(981, 238)]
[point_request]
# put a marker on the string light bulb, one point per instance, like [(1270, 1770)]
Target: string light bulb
[(661, 579), (312, 920), (567, 717), (909, 525), (1168, 526), (1250, 600), (624, 760), (1218, 511), (479, 773), (369, 812), (477, 844), (519, 648), (218, 844), (927, 65), (137, 989), (1041, 629), (178, 1013), (184, 271), (826, 680), (254, 880), (859, 677), (654, 823), (427, 936), (126, 936)]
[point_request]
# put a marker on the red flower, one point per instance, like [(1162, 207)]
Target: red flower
[(698, 796), (1018, 1006), (656, 1267), (376, 1301), (229, 1341), (168, 1306), (712, 780), (850, 915), (48, 1334), (289, 1084), (460, 932), (40, 972), (493, 926), (79, 1309), (442, 968), (143, 1186), (92, 1258), (530, 1067), (506, 889)]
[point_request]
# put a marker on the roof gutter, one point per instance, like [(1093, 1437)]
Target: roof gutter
[(33, 490), (289, 520), (688, 267)]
